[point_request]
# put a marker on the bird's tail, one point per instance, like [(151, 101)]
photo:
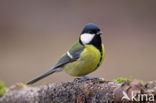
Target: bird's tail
[(51, 71)]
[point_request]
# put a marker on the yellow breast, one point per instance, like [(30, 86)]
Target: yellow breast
[(86, 64)]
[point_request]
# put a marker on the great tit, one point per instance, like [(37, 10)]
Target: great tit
[(84, 57)]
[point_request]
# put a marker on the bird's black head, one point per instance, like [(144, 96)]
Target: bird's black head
[(91, 35), (91, 29)]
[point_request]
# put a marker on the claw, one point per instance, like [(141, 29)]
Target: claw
[(86, 78)]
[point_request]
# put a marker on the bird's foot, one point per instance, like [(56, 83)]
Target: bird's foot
[(86, 78)]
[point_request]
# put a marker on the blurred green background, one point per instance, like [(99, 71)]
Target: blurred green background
[(35, 33)]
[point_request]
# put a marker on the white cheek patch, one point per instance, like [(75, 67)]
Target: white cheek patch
[(86, 38)]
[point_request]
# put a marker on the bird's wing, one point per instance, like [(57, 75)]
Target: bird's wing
[(72, 55)]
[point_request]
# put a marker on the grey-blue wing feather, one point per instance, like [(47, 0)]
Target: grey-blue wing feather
[(72, 55)]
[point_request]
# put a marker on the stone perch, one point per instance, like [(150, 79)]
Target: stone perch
[(90, 91)]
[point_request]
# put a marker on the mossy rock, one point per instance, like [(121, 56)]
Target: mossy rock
[(122, 79), (3, 88)]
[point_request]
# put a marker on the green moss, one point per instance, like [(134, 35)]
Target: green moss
[(121, 80), (3, 88)]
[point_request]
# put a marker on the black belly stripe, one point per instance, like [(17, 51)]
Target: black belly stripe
[(101, 52), (98, 44)]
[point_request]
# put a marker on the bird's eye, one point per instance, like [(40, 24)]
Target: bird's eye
[(91, 32)]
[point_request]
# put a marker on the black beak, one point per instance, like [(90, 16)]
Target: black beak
[(99, 33)]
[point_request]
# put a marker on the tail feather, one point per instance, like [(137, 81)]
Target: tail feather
[(51, 71)]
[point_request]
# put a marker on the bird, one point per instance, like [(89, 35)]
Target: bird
[(84, 57)]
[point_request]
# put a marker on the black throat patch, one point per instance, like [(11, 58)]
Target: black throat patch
[(97, 42)]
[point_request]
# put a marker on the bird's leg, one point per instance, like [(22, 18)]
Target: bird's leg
[(86, 78)]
